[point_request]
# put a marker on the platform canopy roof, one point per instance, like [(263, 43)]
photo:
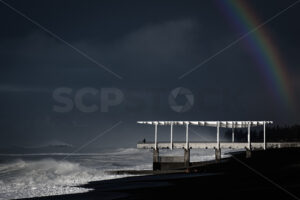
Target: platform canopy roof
[(222, 124)]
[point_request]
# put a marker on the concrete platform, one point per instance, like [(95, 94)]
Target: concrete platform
[(213, 145)]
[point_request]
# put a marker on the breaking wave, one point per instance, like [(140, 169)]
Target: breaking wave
[(32, 175)]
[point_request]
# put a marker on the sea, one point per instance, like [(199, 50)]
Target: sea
[(24, 175)]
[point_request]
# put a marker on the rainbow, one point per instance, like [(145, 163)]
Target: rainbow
[(262, 49)]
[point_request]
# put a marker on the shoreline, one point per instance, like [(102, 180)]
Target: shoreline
[(236, 177)]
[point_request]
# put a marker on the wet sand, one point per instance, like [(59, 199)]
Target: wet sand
[(271, 174)]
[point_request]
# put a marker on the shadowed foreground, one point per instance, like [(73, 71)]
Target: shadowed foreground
[(271, 174)]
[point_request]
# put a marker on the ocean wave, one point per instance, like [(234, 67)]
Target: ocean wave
[(25, 176), (24, 179)]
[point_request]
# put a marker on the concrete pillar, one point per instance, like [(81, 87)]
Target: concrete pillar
[(187, 136), (186, 157), (232, 133), (155, 155), (155, 136), (265, 142), (218, 135), (156, 162), (249, 139), (171, 140), (248, 153), (218, 154)]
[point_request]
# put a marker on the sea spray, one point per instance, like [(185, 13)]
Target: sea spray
[(33, 175)]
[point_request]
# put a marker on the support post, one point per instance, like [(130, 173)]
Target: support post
[(218, 154), (249, 139), (218, 149), (232, 133), (186, 157), (218, 135), (155, 136), (248, 153), (171, 140), (248, 149), (187, 136), (265, 143), (156, 162)]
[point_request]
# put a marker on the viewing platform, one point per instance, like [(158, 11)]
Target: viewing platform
[(213, 145), (175, 162)]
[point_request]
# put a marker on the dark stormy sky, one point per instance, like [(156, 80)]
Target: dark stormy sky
[(72, 71)]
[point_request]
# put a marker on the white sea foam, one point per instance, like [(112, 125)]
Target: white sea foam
[(50, 174), (43, 177)]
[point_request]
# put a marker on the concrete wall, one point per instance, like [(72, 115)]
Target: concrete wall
[(170, 159)]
